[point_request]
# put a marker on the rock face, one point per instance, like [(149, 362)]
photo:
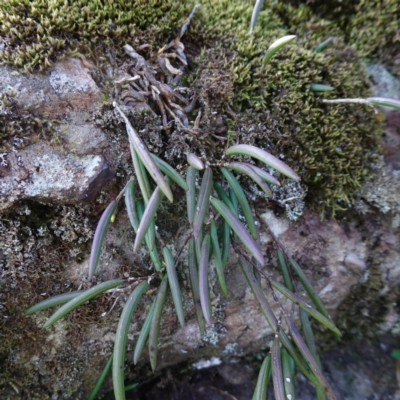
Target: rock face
[(339, 258)]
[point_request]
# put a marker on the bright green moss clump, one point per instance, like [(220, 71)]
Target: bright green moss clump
[(36, 33)]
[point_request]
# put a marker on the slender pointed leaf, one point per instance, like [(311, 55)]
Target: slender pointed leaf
[(244, 204), (277, 45), (322, 45), (202, 202), (203, 280), (306, 307), (144, 334), (155, 322), (288, 375), (141, 175), (254, 16), (319, 87), (149, 237), (98, 238), (82, 298), (170, 172), (100, 380), (194, 283), (285, 271), (217, 258), (309, 358), (239, 229), (191, 193), (263, 156), (224, 197), (277, 377), (249, 171), (148, 217), (384, 101), (52, 301), (174, 284), (121, 338), (155, 259), (260, 392), (264, 175), (145, 157), (195, 161), (130, 205), (226, 243), (234, 200), (309, 288)]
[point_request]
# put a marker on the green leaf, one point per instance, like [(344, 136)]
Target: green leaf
[(82, 298), (174, 284), (395, 354), (100, 380), (217, 258), (98, 238), (121, 338), (191, 193), (319, 87), (203, 280), (202, 202), (384, 101), (277, 377), (285, 271), (52, 301), (224, 197), (239, 229), (254, 16), (306, 307), (264, 175), (150, 237), (141, 175), (195, 161), (322, 45), (263, 156), (226, 243), (155, 322), (170, 172), (288, 375), (144, 334), (260, 392), (276, 46), (130, 205), (244, 204)]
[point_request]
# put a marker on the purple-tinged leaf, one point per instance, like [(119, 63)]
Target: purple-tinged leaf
[(174, 284), (202, 202), (217, 258), (121, 338), (277, 377), (191, 193), (99, 235), (264, 175), (85, 296), (203, 280), (239, 229), (263, 156), (251, 173), (130, 205)]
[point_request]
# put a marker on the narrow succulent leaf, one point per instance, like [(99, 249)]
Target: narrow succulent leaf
[(306, 307), (320, 392), (234, 200), (226, 243), (148, 217), (263, 156), (194, 283), (309, 335), (144, 156), (260, 392), (155, 258), (82, 298), (384, 101), (276, 46), (249, 171), (217, 258), (241, 198), (155, 322), (110, 395), (130, 205), (322, 45), (258, 293), (170, 172), (52, 301), (304, 350), (191, 193), (203, 280), (277, 377), (202, 202), (100, 380), (319, 87), (141, 175), (174, 284), (144, 334), (99, 235), (224, 197), (239, 229), (285, 271), (149, 236), (121, 338), (195, 161), (264, 175), (309, 288), (288, 375), (254, 16)]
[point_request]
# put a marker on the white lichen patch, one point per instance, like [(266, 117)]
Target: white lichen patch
[(212, 362)]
